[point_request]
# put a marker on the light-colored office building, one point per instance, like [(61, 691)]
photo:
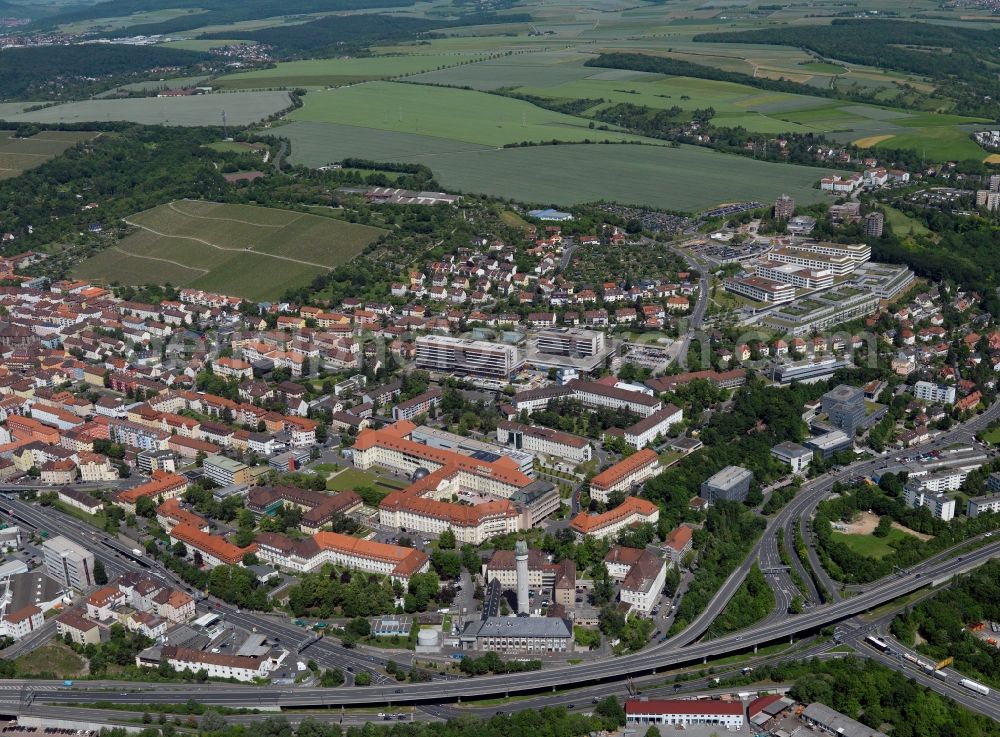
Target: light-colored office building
[(731, 483), (68, 563), (478, 358)]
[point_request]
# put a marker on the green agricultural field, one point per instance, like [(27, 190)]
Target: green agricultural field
[(439, 112), (318, 144), (536, 68), (336, 72), (686, 178), (940, 143), (121, 23), (20, 154), (228, 248), (241, 109)]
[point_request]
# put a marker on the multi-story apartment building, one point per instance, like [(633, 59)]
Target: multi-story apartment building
[(419, 405), (226, 471), (731, 483), (941, 505), (936, 393), (646, 430), (598, 394), (160, 487), (217, 665), (858, 252), (642, 575), (318, 508), (845, 407), (570, 342), (437, 475), (214, 550), (823, 310)]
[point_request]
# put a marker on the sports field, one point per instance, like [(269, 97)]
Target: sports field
[(254, 252), (440, 112), (20, 154), (244, 108)]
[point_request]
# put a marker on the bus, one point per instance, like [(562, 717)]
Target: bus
[(877, 643)]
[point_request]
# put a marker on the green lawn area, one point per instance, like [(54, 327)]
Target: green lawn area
[(939, 142), (323, 468), (94, 520), (822, 67), (202, 44), (869, 545), (54, 657), (992, 437), (245, 108), (902, 224), (350, 478)]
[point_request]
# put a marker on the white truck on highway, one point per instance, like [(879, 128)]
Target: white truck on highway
[(973, 686)]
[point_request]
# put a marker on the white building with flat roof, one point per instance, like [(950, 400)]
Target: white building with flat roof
[(478, 358), (941, 506), (760, 289), (797, 276), (928, 391), (68, 563)]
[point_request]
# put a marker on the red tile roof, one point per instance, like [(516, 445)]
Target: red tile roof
[(585, 523), (624, 468)]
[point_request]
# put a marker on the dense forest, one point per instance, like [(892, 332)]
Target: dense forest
[(211, 12), (961, 59), (959, 248), (58, 72), (941, 623), (331, 35)]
